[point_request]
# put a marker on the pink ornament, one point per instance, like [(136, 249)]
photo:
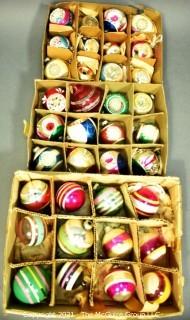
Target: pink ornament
[(70, 196)]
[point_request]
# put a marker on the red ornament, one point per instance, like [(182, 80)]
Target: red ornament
[(54, 99), (70, 196), (145, 201), (86, 98)]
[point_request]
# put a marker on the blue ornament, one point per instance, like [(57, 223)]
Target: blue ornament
[(47, 159), (82, 131)]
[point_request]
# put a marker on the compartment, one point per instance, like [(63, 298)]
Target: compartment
[(32, 237), (72, 282), (46, 156)]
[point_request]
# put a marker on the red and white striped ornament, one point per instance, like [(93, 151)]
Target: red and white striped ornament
[(70, 196), (117, 243), (119, 285)]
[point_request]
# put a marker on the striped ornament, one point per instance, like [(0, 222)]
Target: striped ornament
[(31, 230), (50, 127), (119, 285), (70, 196), (108, 201), (152, 247), (117, 243), (31, 284), (157, 286), (35, 195), (47, 159), (70, 276), (86, 98), (145, 202)]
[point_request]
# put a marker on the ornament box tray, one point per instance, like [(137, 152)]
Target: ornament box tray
[(91, 306), (158, 116), (77, 56)]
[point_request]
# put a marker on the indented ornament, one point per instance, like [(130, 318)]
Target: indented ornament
[(35, 195), (113, 162), (142, 23), (116, 103), (56, 69), (112, 72), (108, 200), (80, 160), (114, 20), (147, 133), (50, 127), (90, 21), (70, 276), (143, 103), (74, 238), (31, 230), (157, 286), (117, 243), (112, 132), (60, 42), (31, 284), (146, 162), (85, 98), (70, 196), (142, 49), (119, 284), (82, 131), (54, 99), (61, 16), (47, 159)]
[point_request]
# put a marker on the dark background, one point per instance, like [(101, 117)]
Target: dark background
[(22, 25)]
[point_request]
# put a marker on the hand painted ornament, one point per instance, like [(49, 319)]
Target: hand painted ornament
[(31, 230), (54, 99), (35, 195), (75, 237), (86, 98), (141, 76), (56, 69), (147, 133), (157, 286), (119, 285), (60, 42), (114, 20), (47, 159), (61, 16), (117, 243), (70, 196), (70, 276), (90, 21), (145, 201), (82, 131), (112, 72), (90, 45), (31, 284), (116, 103), (80, 160), (50, 127), (142, 23), (113, 162), (143, 103), (108, 201), (112, 132), (146, 162), (152, 247), (142, 49)]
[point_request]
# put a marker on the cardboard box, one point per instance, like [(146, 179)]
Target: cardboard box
[(158, 116), (77, 31), (53, 307)]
